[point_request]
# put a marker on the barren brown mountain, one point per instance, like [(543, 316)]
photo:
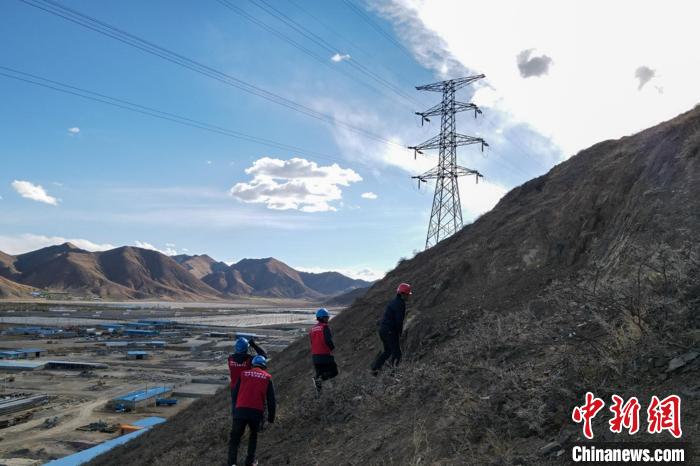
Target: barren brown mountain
[(7, 266), (586, 278), (136, 273), (229, 281), (10, 289), (331, 283), (270, 277), (122, 273), (200, 265)]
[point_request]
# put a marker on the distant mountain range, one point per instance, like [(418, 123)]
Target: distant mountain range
[(136, 273)]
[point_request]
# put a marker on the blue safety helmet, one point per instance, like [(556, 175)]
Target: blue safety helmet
[(259, 361), (321, 313), (241, 345)]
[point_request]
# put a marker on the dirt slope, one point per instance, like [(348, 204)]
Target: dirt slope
[(586, 278), (7, 266), (10, 289)]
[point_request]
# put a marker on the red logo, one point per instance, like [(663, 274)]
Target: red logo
[(661, 415), (587, 412), (625, 415), (665, 415)]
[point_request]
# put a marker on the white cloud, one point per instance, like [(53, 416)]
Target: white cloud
[(208, 162), (370, 152), (18, 244), (338, 57), (296, 183), (592, 93), (34, 192), (169, 249), (369, 195), (73, 131), (478, 199)]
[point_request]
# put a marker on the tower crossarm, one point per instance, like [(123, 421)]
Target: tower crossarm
[(439, 109), (436, 142), (457, 83)]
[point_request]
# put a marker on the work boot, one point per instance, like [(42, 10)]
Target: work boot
[(317, 384)]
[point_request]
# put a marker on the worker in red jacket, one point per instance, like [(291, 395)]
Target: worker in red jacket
[(253, 391), (240, 360), (322, 349)]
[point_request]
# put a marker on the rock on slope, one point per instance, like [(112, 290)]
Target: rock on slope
[(586, 278)]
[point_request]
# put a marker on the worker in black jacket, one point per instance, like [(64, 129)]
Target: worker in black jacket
[(391, 327)]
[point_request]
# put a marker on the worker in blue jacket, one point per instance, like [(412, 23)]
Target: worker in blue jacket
[(391, 327)]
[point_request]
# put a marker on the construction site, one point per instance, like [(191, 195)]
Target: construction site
[(75, 382)]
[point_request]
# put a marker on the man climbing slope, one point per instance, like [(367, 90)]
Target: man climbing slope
[(322, 348), (391, 327), (240, 360), (253, 391)]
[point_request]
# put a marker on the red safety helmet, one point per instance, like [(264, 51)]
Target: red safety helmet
[(404, 288)]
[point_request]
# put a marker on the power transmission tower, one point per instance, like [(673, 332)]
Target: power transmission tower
[(446, 215)]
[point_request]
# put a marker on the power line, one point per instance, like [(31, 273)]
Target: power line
[(367, 19), (310, 35), (58, 86), (123, 104), (105, 29), (323, 60)]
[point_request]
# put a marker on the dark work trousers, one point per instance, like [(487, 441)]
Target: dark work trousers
[(237, 428), (392, 349), (327, 370)]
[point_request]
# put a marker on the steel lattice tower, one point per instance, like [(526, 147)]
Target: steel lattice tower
[(446, 214)]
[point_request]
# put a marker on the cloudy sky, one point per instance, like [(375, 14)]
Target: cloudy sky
[(279, 128)]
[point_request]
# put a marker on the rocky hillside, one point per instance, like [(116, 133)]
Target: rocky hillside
[(586, 278)]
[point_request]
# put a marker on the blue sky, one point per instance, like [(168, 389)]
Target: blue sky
[(111, 177)]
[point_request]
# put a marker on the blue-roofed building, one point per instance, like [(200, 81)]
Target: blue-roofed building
[(159, 323), (140, 398), (112, 328), (139, 324), (32, 331), (138, 332), (31, 353), (19, 365), (138, 355), (10, 354), (82, 457)]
